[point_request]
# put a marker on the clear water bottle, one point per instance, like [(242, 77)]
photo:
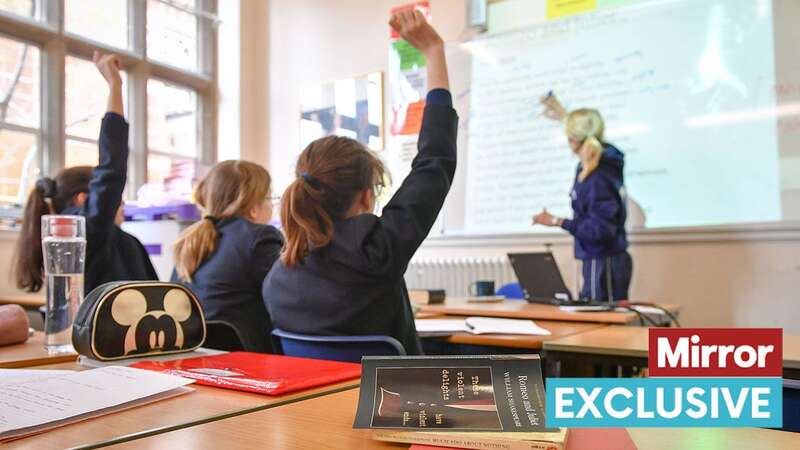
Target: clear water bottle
[(64, 251)]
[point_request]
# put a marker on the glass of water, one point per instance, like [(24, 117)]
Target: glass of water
[(64, 251)]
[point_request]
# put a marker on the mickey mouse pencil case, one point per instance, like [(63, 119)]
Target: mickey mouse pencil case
[(125, 319)]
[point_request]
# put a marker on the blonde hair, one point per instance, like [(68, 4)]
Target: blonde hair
[(231, 188), (586, 125)]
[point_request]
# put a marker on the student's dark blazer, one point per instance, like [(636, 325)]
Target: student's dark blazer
[(111, 254), (355, 286), (228, 282)]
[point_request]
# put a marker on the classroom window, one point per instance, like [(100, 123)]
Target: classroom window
[(19, 119), (104, 21), (25, 8), (172, 33), (172, 138), (84, 110), (172, 119), (167, 50)]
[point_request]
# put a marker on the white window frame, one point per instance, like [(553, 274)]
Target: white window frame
[(46, 31)]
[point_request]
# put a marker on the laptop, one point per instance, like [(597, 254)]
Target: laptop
[(541, 281)]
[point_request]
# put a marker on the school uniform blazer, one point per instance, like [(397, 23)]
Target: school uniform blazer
[(355, 286), (111, 254), (228, 282)]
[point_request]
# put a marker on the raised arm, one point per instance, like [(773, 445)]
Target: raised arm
[(108, 178), (408, 217)]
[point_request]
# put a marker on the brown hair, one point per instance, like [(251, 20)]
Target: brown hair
[(331, 172), (231, 188), (587, 125), (49, 196)]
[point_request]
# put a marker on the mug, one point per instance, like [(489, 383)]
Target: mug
[(481, 289)]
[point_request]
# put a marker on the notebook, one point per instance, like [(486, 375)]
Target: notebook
[(257, 372)]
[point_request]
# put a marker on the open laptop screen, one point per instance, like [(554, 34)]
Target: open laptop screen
[(539, 277)]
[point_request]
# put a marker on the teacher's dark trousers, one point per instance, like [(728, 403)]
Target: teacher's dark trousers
[(604, 276)]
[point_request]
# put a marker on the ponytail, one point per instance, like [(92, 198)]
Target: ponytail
[(231, 189), (590, 152), (28, 258), (331, 172), (193, 247), (49, 196), (306, 223)]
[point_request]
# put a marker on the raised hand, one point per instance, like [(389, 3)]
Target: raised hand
[(414, 28), (552, 107), (109, 66)]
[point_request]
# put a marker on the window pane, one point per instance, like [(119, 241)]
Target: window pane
[(171, 35), (79, 153), (171, 119), (86, 96), (21, 7), (173, 176), (18, 166), (19, 83), (104, 21)]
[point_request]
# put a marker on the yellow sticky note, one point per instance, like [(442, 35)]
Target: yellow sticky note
[(561, 8)]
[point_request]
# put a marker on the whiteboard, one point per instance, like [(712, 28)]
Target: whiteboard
[(703, 97)]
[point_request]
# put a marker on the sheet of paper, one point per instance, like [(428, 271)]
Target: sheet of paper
[(8, 376), (41, 401), (484, 325), (440, 325)]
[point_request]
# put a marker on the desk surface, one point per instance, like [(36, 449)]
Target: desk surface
[(31, 353), (791, 352), (520, 309), (331, 419), (24, 301), (558, 329), (632, 341), (612, 340), (205, 404)]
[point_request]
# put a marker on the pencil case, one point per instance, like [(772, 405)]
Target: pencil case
[(126, 319)]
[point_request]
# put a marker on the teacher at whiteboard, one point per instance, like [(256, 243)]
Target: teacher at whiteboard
[(598, 205)]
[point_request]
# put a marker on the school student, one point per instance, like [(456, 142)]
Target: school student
[(598, 204), (341, 271), (96, 194), (225, 256)]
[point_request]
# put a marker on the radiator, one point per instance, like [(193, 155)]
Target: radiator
[(456, 274)]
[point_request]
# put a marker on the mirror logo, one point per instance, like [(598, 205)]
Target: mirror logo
[(698, 377)]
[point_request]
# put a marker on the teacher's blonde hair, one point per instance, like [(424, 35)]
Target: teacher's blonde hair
[(586, 125)]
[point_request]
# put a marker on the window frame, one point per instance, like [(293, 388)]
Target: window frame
[(46, 31)]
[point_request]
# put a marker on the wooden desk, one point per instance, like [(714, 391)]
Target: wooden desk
[(24, 301), (326, 422), (627, 346), (558, 329), (31, 353), (713, 438), (612, 341), (204, 405), (520, 309)]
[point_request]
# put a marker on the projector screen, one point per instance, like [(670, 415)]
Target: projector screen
[(702, 96)]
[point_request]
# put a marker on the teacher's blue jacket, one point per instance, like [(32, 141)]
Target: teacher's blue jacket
[(598, 205)]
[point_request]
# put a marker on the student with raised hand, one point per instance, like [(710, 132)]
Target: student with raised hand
[(341, 271), (225, 256), (96, 194)]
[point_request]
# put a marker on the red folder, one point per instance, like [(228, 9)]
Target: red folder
[(257, 372)]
